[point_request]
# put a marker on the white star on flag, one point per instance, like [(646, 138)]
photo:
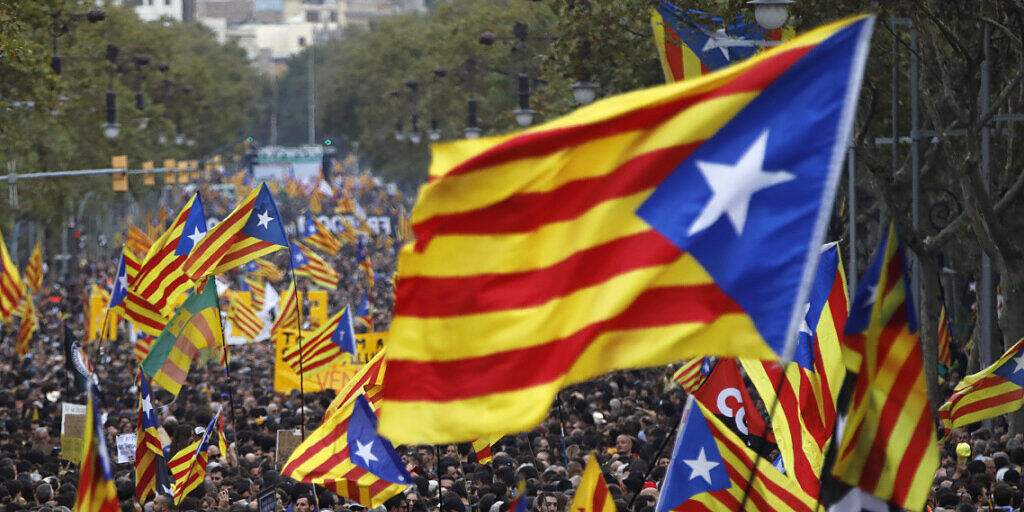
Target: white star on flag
[(365, 452), (196, 236), (806, 327), (701, 466), (265, 219), (733, 186), (1019, 361)]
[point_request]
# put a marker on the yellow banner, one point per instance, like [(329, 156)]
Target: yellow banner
[(285, 379)]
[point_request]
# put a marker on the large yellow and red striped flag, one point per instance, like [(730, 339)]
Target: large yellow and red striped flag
[(945, 339), (888, 444), (998, 389), (253, 229), (592, 495), (664, 224), (12, 290), (34, 270), (195, 326), (808, 387), (96, 491)]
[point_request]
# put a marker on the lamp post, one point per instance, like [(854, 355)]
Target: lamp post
[(584, 91), (524, 116), (111, 128), (472, 130), (771, 14)]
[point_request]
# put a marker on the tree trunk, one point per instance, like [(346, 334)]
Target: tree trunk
[(928, 321), (1011, 321)]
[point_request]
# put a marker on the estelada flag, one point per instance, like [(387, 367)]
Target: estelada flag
[(663, 224), (996, 390)]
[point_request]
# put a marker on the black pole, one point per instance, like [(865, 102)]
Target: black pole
[(561, 428), (298, 327)]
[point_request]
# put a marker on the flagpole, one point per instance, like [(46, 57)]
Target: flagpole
[(298, 327), (561, 427), (227, 373)]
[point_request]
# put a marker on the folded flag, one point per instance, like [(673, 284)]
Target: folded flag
[(34, 270), (809, 386), (329, 344), (253, 229), (688, 48), (287, 312), (996, 390), (317, 236), (888, 443), (307, 263), (711, 470), (945, 340), (568, 238), (12, 289), (152, 475), (482, 448), (692, 374), (592, 494), (244, 317), (188, 466), (347, 456), (96, 490), (120, 290), (195, 326), (364, 315)]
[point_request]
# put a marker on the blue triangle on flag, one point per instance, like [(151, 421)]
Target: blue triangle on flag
[(369, 450), (194, 228), (265, 222)]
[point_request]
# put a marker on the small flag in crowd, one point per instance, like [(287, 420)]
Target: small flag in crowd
[(364, 314), (725, 393), (724, 221), (11, 288), (945, 339), (287, 312), (365, 265), (34, 270), (152, 476), (96, 490), (244, 317), (328, 345), (996, 390), (266, 270), (347, 456), (253, 229), (317, 236), (368, 381), (28, 327), (711, 470), (307, 263), (692, 374), (196, 325), (255, 286), (188, 466), (138, 241), (143, 343), (482, 448), (592, 494), (888, 443)]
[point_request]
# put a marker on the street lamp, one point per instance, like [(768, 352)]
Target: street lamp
[(524, 116), (771, 14), (414, 135), (584, 91), (399, 134), (111, 129), (434, 133), (472, 130)]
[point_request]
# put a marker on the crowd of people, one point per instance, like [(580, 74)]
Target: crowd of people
[(624, 419)]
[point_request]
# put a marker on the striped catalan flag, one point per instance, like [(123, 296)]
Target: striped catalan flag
[(138, 241), (160, 277), (809, 386), (317, 236), (482, 448), (34, 270), (688, 48), (259, 292), (145, 316), (945, 339), (244, 317), (692, 374), (998, 389), (12, 289), (195, 326), (349, 233), (287, 312), (188, 466), (888, 444), (267, 270), (347, 456), (96, 491), (28, 327), (563, 243), (711, 468), (307, 263), (152, 475), (364, 312), (592, 494), (365, 264), (328, 345), (143, 344), (253, 229)]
